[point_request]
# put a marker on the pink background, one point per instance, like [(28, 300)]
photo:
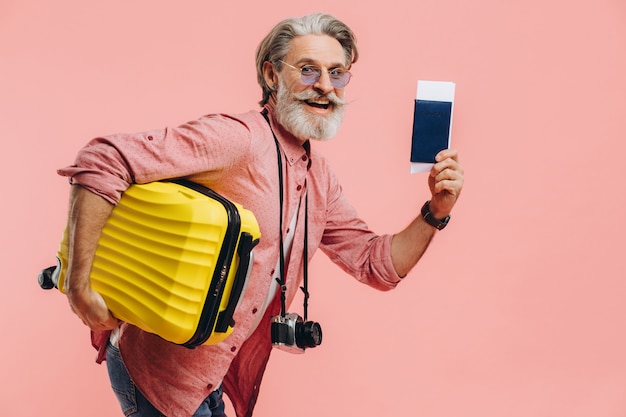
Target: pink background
[(518, 308)]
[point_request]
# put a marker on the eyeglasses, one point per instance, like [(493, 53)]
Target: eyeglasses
[(310, 74)]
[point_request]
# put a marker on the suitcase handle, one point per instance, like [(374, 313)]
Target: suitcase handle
[(225, 319)]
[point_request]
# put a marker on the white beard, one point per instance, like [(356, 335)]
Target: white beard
[(292, 115)]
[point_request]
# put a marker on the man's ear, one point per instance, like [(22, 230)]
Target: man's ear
[(270, 75)]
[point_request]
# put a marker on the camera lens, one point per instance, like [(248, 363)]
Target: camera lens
[(308, 334)]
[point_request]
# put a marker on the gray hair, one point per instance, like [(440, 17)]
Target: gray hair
[(277, 43)]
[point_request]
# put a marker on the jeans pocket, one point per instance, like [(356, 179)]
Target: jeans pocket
[(122, 385)]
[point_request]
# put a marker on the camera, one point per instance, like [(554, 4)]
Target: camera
[(292, 334)]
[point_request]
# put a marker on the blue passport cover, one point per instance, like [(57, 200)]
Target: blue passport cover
[(431, 129)]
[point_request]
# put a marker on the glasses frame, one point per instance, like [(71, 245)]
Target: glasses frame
[(318, 71)]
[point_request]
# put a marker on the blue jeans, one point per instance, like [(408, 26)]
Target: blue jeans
[(134, 404)]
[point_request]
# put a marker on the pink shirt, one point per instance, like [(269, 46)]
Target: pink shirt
[(235, 155)]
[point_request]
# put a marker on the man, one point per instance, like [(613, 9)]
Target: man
[(303, 67)]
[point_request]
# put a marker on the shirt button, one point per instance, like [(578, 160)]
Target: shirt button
[(304, 157), (299, 187), (234, 348), (210, 387), (254, 310), (150, 137), (272, 273)]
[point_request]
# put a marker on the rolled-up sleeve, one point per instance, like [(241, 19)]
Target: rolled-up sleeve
[(100, 167), (210, 146)]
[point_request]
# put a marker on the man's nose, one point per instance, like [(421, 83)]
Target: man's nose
[(323, 85)]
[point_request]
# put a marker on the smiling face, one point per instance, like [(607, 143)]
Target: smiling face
[(308, 111)]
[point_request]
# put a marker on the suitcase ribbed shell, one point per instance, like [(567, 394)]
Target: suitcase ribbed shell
[(159, 263)]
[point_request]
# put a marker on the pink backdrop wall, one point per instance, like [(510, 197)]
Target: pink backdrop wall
[(517, 310)]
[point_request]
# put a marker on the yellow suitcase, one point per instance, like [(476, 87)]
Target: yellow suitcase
[(173, 259)]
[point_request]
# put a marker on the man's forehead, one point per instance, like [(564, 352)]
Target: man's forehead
[(316, 49)]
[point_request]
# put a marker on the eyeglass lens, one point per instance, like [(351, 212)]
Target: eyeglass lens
[(338, 79)]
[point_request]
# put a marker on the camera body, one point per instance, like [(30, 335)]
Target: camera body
[(292, 334)]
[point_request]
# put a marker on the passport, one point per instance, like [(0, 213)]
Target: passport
[(431, 129), (432, 123)]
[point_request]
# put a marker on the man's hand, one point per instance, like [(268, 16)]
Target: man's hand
[(445, 182), (91, 308)]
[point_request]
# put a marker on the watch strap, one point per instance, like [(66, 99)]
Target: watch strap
[(438, 224)]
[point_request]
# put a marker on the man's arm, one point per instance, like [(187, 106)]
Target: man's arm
[(445, 182), (88, 214)]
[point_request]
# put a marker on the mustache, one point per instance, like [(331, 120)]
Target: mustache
[(312, 95)]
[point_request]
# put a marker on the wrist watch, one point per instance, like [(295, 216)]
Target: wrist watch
[(431, 220)]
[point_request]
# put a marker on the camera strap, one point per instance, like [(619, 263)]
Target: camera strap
[(281, 278)]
